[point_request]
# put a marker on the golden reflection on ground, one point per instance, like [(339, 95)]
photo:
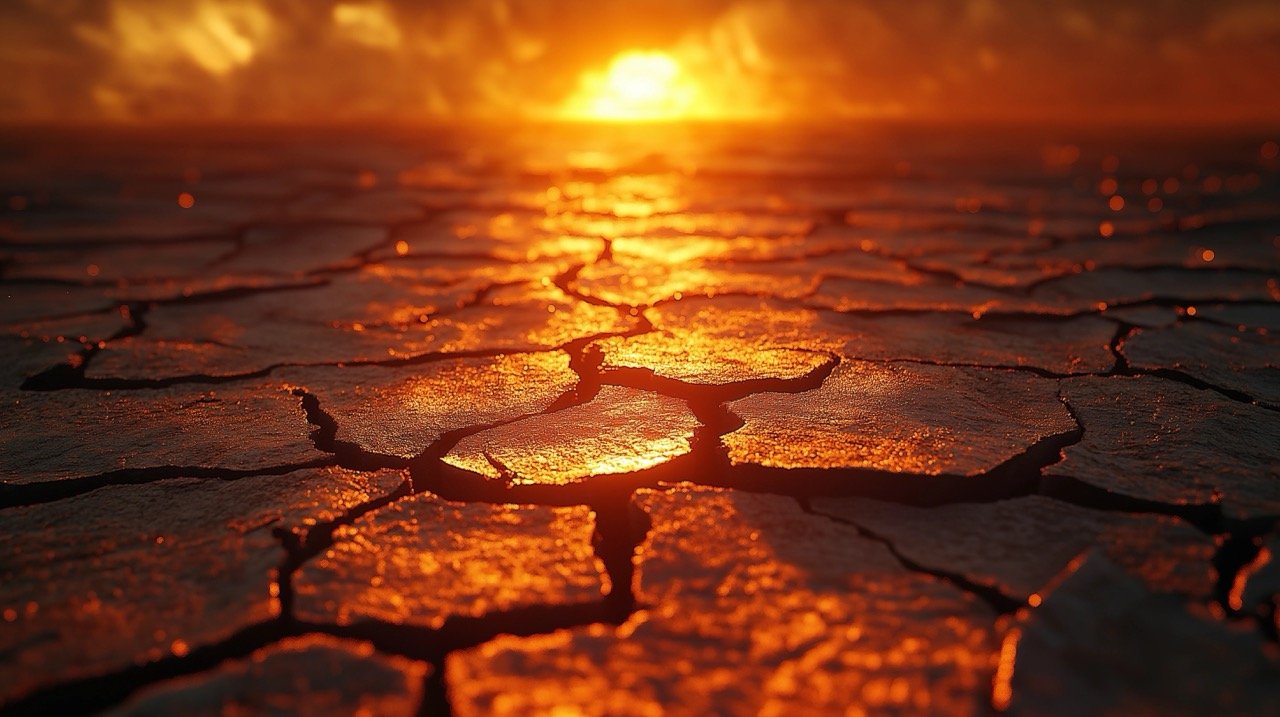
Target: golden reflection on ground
[(754, 608), (725, 224), (640, 283), (687, 249), (424, 560), (708, 360), (155, 570), (901, 418), (621, 195), (579, 325), (312, 674), (393, 414), (764, 322), (621, 430)]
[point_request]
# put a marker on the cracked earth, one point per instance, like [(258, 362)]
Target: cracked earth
[(601, 422)]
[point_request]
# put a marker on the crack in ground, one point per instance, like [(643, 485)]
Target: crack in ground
[(1000, 602), (66, 376), (1187, 379), (100, 692), (73, 373), (619, 525), (1004, 314), (1023, 368), (348, 455), (1206, 517), (13, 495), (318, 538), (1237, 539), (97, 693)]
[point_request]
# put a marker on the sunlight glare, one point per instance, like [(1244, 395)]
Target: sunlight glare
[(637, 86)]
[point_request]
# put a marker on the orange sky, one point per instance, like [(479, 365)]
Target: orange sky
[(287, 60)]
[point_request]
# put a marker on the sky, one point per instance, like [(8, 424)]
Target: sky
[(1145, 61)]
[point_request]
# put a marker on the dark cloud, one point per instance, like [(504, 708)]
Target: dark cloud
[(404, 59)]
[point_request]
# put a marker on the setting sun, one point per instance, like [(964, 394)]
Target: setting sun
[(636, 86)]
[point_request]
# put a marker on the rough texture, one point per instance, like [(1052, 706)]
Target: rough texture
[(901, 418), (1162, 441), (65, 434), (707, 360), (401, 411), (1027, 344), (1244, 361), (308, 675), (424, 560), (362, 318), (621, 430), (1018, 546), (1058, 346), (296, 250), (130, 574), (1085, 290), (753, 608), (1101, 643)]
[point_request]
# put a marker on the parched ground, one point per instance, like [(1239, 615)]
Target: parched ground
[(627, 421)]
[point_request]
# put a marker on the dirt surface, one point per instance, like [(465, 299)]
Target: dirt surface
[(639, 421)]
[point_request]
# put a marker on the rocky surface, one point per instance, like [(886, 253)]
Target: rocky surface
[(50, 436), (751, 607), (1102, 643), (1166, 442), (621, 430), (1240, 361), (703, 360), (403, 413), (686, 420), (1052, 345), (424, 560), (900, 418), (125, 575), (1018, 546), (310, 675)]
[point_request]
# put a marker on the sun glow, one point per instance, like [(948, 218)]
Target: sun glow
[(637, 86)]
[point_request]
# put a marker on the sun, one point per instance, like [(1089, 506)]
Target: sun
[(637, 86)]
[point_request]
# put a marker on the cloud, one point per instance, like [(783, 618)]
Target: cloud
[(282, 60)]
